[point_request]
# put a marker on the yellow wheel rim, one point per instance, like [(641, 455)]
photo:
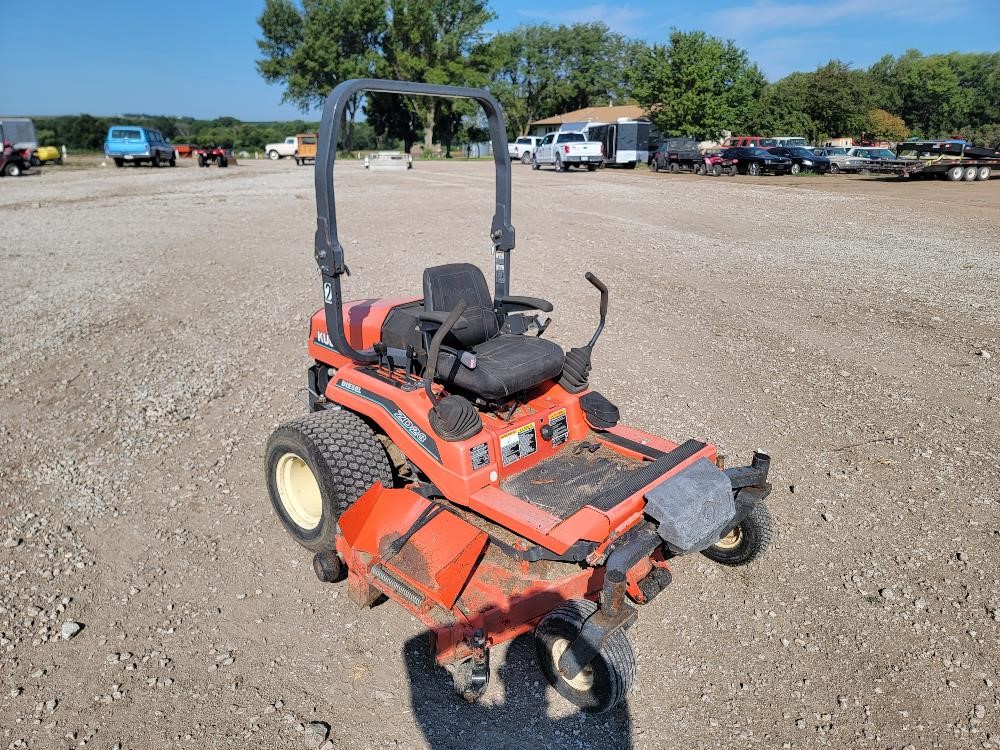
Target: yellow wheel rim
[(584, 680), (731, 540), (298, 491)]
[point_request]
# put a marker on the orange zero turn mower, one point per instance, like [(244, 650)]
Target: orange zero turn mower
[(457, 462)]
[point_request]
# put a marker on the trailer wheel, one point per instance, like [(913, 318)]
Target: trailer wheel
[(984, 173), (603, 683), (317, 466), (956, 173), (970, 174), (746, 542), (526, 158)]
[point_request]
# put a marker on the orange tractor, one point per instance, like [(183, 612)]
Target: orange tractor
[(465, 469)]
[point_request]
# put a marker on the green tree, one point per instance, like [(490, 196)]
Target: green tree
[(313, 48), (541, 70), (886, 126), (431, 41), (696, 85)]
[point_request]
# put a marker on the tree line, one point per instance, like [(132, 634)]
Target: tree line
[(691, 84), (87, 133)]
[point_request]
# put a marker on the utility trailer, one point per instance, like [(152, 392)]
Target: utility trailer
[(953, 160), (626, 142)]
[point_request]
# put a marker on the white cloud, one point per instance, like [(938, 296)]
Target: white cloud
[(762, 16), (624, 19)]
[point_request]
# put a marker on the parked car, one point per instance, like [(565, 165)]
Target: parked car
[(135, 144), (523, 148), (755, 161), (802, 159), (675, 154), (277, 151), (564, 150), (45, 154), (872, 154), (840, 159), (749, 141), (306, 145), (13, 162)]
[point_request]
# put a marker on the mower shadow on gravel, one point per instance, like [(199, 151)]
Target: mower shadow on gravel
[(521, 720)]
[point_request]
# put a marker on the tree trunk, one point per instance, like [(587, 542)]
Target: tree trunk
[(429, 114)]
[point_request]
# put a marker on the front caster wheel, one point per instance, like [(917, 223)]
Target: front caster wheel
[(603, 683), (746, 542)]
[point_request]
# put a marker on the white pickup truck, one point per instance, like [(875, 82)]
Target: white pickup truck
[(523, 147), (276, 151), (564, 150)]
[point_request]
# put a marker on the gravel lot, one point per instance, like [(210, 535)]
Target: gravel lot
[(153, 333)]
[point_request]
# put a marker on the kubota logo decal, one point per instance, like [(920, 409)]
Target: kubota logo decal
[(323, 339)]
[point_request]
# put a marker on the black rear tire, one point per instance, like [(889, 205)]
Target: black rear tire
[(223, 161), (606, 680), (119, 162), (344, 458), (746, 542)]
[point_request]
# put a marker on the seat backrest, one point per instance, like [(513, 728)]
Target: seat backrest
[(445, 285)]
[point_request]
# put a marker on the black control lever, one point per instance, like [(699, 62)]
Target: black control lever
[(435, 349), (604, 306)]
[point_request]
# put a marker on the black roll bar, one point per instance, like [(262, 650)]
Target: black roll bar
[(329, 251)]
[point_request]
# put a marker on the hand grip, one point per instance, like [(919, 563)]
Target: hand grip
[(435, 348), (602, 289)]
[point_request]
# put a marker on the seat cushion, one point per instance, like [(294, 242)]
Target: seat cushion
[(505, 365), (445, 286)]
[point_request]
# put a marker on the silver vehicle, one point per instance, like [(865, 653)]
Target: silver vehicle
[(523, 148), (841, 159)]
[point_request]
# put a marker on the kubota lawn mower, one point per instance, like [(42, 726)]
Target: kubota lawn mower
[(467, 471)]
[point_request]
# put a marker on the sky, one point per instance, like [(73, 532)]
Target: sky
[(191, 57)]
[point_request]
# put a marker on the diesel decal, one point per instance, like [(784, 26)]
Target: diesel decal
[(421, 437)]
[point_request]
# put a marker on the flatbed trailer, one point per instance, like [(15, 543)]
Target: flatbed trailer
[(953, 160)]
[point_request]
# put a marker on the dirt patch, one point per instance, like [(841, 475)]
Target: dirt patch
[(154, 327)]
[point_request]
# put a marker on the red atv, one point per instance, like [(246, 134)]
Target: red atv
[(208, 155), (14, 163), (714, 164)]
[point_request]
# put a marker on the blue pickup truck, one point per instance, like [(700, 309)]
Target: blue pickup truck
[(136, 144)]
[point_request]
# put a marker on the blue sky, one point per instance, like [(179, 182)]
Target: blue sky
[(197, 58)]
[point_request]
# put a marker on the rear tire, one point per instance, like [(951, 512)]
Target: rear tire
[(603, 683), (173, 161), (970, 174), (559, 164), (12, 169), (223, 161), (984, 173), (955, 174), (746, 542), (273, 155), (119, 163), (834, 169), (716, 170), (317, 466), (591, 167), (753, 169), (156, 160), (526, 158), (654, 166)]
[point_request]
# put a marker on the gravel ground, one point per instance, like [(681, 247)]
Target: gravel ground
[(153, 334)]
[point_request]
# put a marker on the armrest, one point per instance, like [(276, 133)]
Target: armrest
[(436, 318), (523, 304)]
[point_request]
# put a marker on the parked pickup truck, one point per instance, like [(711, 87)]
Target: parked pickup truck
[(564, 150), (277, 151), (523, 148)]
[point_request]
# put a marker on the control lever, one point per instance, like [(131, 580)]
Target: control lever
[(541, 325), (434, 350), (604, 305)]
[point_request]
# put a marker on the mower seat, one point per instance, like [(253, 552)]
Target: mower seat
[(506, 363)]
